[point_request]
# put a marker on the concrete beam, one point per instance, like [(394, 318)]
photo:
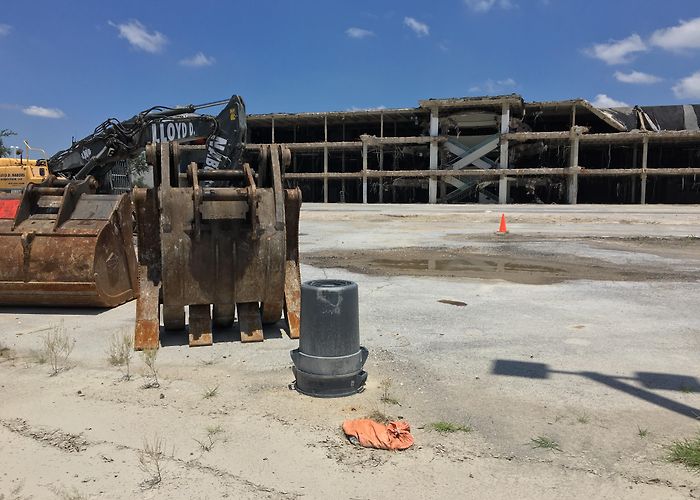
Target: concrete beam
[(497, 172)]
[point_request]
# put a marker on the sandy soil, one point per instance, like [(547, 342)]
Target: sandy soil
[(581, 335)]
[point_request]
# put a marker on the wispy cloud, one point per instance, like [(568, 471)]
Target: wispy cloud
[(419, 28), (617, 51), (43, 112), (604, 101), (685, 35), (688, 87), (140, 38), (355, 108), (197, 61), (487, 5), (5, 29), (358, 33), (491, 86), (637, 77)]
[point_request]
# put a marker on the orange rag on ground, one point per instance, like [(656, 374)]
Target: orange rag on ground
[(371, 434)]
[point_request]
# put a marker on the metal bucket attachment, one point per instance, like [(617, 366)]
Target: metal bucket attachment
[(63, 245), (223, 243)]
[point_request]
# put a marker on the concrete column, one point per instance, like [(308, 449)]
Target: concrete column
[(342, 168), (645, 158), (364, 172), (503, 156), (633, 183), (381, 159), (572, 184), (325, 159), (273, 130), (434, 129)]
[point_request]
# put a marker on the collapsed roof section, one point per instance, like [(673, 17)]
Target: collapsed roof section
[(537, 116)]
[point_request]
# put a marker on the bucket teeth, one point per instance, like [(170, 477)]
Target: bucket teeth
[(200, 326), (147, 318), (250, 322)]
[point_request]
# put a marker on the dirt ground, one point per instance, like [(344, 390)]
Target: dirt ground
[(580, 326)]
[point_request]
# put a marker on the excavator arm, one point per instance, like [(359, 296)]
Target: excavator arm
[(115, 140)]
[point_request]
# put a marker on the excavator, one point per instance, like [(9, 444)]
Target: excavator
[(216, 237)]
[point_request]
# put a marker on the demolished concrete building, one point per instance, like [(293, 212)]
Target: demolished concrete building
[(493, 149)]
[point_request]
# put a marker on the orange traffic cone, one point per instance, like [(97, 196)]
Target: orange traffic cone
[(502, 228)]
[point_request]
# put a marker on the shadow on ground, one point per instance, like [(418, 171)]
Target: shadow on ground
[(649, 381)]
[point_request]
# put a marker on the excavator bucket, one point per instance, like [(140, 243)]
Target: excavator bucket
[(221, 243), (63, 245)]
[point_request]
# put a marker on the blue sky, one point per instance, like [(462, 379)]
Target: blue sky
[(70, 65)]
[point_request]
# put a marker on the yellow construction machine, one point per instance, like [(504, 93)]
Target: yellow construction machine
[(16, 173)]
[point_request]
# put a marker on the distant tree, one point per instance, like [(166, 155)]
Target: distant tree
[(4, 150), (138, 165)]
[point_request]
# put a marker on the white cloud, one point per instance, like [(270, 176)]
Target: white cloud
[(688, 87), (358, 33), (140, 38), (419, 28), (603, 101), (5, 29), (198, 60), (491, 87), (43, 112), (637, 77), (487, 5), (684, 36), (617, 51), (355, 108)]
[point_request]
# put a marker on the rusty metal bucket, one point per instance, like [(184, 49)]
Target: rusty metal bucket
[(63, 245), (222, 252)]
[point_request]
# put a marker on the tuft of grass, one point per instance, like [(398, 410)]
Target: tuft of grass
[(444, 427), (149, 357), (6, 354), (16, 493), (211, 392), (214, 435), (386, 397), (208, 362), (686, 389), (67, 494), (686, 452), (120, 351), (545, 442), (380, 417), (642, 433), (151, 460), (56, 348), (583, 419)]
